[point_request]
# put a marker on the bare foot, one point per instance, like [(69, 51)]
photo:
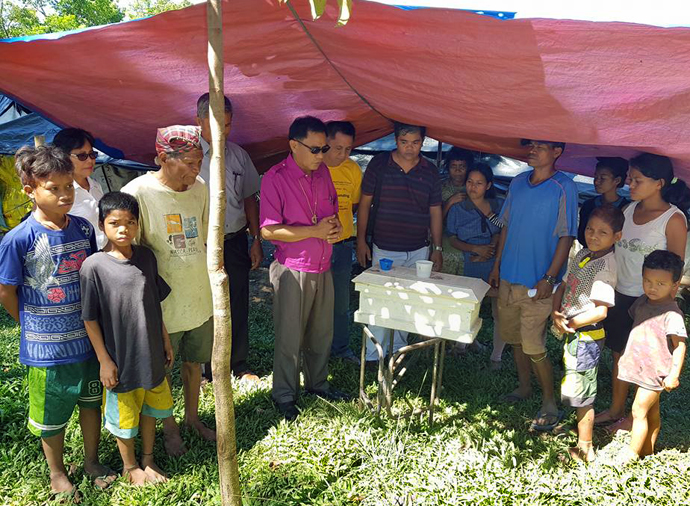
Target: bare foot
[(582, 454), (102, 475), (623, 425), (155, 474), (516, 396), (174, 446), (606, 417), (202, 430), (63, 488), (136, 476)]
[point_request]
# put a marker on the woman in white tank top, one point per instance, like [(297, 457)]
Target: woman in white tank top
[(655, 220)]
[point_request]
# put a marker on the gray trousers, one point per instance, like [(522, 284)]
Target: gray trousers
[(303, 321)]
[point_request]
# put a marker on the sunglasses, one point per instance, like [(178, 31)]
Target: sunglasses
[(83, 156), (315, 150)]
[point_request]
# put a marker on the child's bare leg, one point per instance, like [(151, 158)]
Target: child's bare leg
[(653, 426), (618, 396), (585, 427), (130, 467), (147, 429), (174, 446), (53, 447), (644, 402), (191, 381), (90, 422)]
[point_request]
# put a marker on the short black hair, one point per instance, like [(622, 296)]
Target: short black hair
[(404, 129), (611, 215), (68, 139), (40, 163), (203, 106), (459, 154), (553, 144), (117, 201), (663, 260), (301, 127), (340, 127), (616, 165)]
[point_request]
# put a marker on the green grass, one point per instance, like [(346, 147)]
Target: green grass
[(479, 452)]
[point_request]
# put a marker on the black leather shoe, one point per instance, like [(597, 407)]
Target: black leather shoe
[(288, 410), (331, 395)]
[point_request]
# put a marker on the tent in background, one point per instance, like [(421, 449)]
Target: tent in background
[(476, 81)]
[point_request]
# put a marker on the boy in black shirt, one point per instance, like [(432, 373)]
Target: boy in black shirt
[(121, 309)]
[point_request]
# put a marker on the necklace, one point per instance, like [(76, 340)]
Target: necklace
[(314, 220), (52, 226)]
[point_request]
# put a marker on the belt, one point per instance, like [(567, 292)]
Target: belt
[(349, 239), (232, 235)]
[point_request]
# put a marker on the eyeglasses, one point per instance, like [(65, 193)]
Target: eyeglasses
[(83, 156), (315, 150)]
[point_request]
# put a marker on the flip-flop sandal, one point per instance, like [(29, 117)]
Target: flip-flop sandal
[(547, 427)]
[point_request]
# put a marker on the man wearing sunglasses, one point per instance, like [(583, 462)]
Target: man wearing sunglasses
[(406, 190), (241, 213), (299, 215)]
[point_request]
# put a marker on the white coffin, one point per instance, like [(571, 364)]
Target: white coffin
[(444, 305)]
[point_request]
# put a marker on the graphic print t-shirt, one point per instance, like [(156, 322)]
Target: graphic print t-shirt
[(44, 264), (173, 225)]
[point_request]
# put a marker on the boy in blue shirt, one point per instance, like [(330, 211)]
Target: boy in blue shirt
[(39, 287), (540, 218)]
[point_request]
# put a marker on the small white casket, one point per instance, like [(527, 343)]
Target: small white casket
[(444, 305)]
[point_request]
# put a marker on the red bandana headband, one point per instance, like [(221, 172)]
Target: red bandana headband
[(177, 138)]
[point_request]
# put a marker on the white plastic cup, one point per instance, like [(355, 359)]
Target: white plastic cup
[(424, 268)]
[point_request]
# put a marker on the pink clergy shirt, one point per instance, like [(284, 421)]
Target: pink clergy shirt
[(283, 202)]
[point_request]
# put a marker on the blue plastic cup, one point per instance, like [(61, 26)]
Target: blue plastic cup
[(385, 264)]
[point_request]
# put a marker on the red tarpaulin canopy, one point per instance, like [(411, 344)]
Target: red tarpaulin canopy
[(475, 81)]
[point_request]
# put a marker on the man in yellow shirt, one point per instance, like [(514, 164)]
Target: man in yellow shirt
[(347, 178)]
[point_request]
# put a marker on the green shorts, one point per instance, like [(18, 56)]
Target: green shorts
[(581, 355), (55, 391), (194, 345)]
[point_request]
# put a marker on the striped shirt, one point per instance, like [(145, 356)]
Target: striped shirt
[(403, 218)]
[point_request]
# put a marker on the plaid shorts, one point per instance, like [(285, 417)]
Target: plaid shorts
[(581, 354)]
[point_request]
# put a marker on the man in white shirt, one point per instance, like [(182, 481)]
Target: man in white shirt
[(241, 215)]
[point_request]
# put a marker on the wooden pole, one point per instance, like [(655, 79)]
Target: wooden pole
[(228, 469)]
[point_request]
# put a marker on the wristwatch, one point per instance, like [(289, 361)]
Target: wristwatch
[(550, 280), (438, 248), (257, 237)]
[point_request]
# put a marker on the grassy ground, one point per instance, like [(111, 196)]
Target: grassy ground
[(479, 452)]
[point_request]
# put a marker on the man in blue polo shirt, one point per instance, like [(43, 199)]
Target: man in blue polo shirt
[(540, 217)]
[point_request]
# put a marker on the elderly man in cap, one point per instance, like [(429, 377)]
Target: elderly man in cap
[(174, 205)]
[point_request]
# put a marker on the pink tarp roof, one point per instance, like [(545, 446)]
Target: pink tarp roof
[(475, 81)]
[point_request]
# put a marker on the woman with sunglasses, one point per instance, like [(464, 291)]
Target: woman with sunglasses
[(78, 144), (474, 229)]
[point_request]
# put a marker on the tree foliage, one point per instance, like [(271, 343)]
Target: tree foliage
[(32, 17), (144, 8)]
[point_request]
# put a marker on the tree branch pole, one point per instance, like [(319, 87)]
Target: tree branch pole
[(228, 469)]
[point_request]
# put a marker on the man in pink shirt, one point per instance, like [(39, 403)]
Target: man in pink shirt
[(299, 215)]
